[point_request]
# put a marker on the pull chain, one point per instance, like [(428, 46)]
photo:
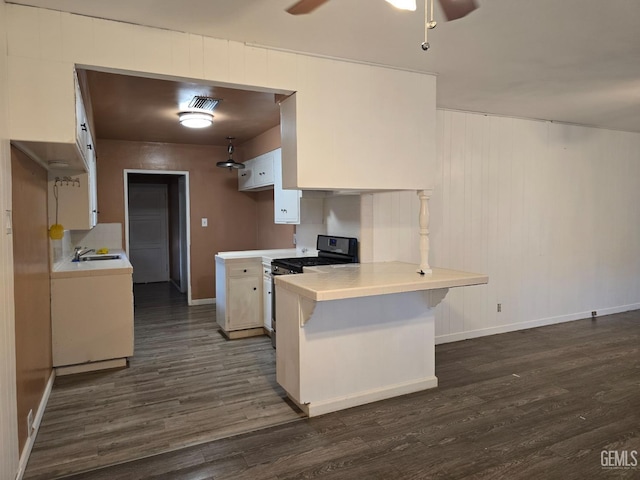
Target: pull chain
[(429, 23)]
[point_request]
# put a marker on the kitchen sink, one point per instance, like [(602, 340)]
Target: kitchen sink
[(91, 258)]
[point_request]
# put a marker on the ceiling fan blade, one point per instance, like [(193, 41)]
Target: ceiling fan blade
[(454, 9), (305, 6)]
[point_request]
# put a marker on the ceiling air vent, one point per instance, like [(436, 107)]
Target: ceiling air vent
[(203, 103)]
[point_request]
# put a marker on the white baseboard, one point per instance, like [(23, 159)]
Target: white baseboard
[(541, 322), (322, 407), (91, 366), (26, 452), (202, 301)]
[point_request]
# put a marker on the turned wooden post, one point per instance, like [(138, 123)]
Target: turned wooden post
[(423, 219)]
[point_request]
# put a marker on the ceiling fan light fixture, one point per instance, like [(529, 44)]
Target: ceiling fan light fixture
[(404, 4), (195, 119)]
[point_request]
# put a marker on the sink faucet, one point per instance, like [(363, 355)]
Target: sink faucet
[(79, 251)]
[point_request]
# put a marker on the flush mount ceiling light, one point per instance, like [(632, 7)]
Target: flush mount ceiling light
[(231, 163), (195, 119)]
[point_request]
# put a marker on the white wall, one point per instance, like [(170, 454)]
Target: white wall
[(548, 211), (8, 411), (342, 215)]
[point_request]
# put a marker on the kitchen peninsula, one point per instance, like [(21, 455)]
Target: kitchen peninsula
[(354, 334)]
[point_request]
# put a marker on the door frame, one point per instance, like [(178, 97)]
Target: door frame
[(187, 221)]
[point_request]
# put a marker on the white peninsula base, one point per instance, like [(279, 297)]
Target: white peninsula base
[(356, 350), (350, 336)]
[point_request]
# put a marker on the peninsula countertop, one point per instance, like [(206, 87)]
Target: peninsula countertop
[(68, 268), (336, 282)]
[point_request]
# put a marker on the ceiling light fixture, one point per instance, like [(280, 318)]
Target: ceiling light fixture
[(404, 4), (231, 163), (195, 119)]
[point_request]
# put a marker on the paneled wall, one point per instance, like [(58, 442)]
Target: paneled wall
[(32, 288), (8, 420), (547, 210), (44, 45)]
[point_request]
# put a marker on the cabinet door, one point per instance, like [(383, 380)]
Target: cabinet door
[(245, 176), (244, 302), (93, 188), (263, 170), (266, 301), (286, 202)]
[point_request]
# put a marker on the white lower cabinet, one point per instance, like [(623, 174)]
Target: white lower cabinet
[(91, 318), (266, 297), (239, 296)]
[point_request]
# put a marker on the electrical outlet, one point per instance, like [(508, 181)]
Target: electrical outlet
[(205, 222), (594, 313), (499, 307), (30, 422)]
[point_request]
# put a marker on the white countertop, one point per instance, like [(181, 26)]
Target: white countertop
[(266, 255), (67, 268), (335, 282)]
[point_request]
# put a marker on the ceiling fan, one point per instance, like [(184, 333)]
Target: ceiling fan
[(452, 9)]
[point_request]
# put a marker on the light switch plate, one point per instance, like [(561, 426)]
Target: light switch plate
[(205, 222)]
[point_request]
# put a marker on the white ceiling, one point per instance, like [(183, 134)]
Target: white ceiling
[(574, 61)]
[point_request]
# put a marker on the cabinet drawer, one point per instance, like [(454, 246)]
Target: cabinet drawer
[(242, 270)]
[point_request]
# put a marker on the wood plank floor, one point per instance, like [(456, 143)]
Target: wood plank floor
[(185, 385), (534, 404)]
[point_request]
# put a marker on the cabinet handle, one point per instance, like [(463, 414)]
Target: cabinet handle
[(245, 270), (83, 126), (254, 288), (89, 147)]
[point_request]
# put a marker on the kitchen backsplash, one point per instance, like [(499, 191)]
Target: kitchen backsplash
[(327, 215), (107, 235)]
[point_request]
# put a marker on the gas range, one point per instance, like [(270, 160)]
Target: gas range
[(288, 266), (331, 251)]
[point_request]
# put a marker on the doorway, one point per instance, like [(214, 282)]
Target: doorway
[(157, 238)]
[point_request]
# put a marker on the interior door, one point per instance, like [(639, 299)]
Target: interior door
[(148, 232)]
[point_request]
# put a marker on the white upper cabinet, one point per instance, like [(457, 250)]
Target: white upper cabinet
[(257, 174), (77, 192), (286, 203), (265, 172), (54, 99)]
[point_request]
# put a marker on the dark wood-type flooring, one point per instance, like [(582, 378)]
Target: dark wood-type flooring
[(185, 385), (534, 404)]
